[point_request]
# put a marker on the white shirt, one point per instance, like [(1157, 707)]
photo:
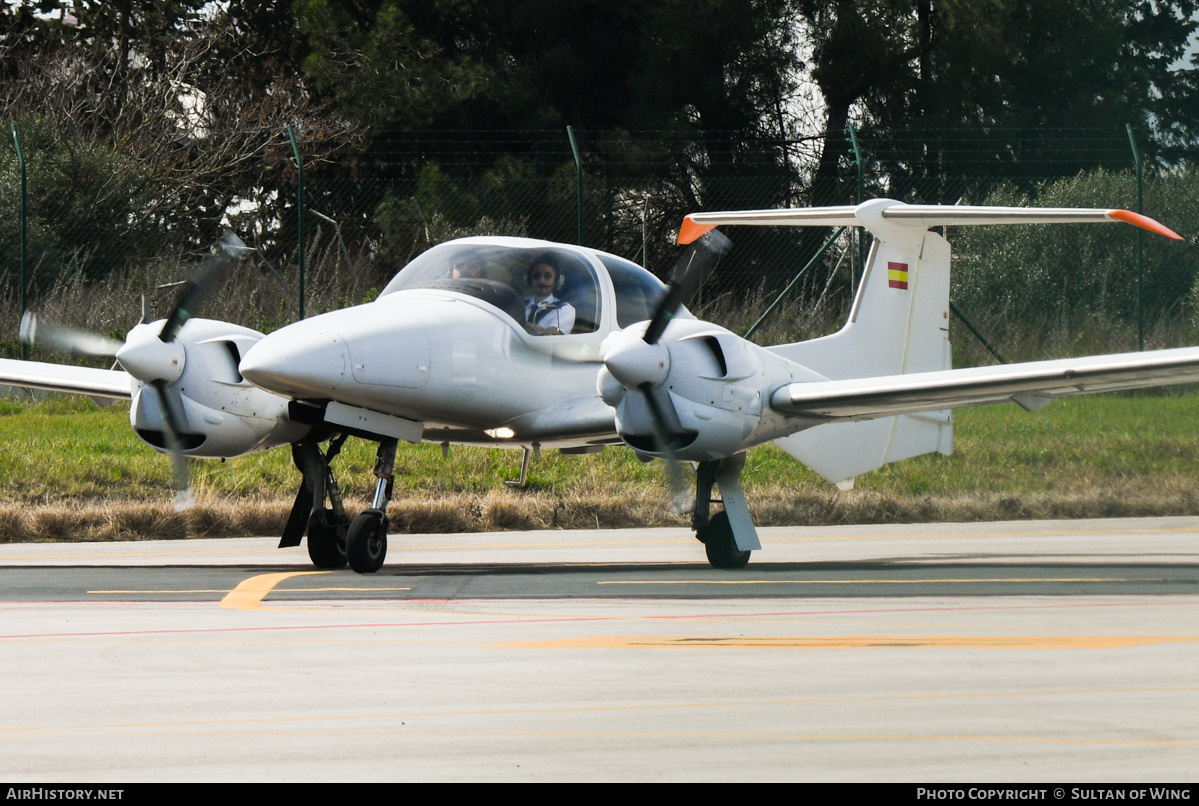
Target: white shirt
[(550, 312)]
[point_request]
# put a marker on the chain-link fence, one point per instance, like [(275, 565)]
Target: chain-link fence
[(100, 233)]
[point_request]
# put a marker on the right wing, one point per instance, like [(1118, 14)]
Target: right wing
[(109, 384), (1031, 385)]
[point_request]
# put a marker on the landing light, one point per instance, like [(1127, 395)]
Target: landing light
[(500, 433)]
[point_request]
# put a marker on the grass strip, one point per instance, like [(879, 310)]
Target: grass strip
[(71, 471)]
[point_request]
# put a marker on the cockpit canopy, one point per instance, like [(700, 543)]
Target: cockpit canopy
[(498, 272)]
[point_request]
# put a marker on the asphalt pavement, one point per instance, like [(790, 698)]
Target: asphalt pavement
[(1024, 651)]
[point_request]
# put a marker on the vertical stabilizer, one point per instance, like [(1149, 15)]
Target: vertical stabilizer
[(899, 324)]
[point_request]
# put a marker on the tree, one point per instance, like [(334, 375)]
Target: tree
[(708, 82), (151, 146), (1015, 71)]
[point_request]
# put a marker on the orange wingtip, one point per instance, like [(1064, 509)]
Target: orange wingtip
[(691, 231), (1144, 222)]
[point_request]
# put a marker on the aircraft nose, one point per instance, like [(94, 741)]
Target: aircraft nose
[(302, 363)]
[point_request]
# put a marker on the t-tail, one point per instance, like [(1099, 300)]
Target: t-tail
[(899, 322)]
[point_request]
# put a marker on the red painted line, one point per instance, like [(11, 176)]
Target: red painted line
[(586, 619)]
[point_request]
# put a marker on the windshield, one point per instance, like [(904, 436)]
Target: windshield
[(549, 290), (637, 291)]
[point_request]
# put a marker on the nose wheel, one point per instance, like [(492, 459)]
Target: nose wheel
[(366, 542)]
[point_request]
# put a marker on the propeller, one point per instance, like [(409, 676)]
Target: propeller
[(155, 359), (644, 364), (174, 416), (689, 271)]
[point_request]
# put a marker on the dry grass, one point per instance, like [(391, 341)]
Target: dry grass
[(503, 510), (137, 520)]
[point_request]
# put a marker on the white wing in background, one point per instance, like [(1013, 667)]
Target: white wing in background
[(1030, 385), (95, 383)]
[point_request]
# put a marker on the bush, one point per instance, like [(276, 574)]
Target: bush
[(1046, 276)]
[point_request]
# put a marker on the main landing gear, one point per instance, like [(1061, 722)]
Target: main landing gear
[(326, 525), (729, 536)]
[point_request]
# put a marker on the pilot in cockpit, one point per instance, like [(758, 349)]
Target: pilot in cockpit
[(545, 313)]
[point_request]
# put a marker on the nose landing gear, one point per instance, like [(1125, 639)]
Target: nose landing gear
[(366, 541)]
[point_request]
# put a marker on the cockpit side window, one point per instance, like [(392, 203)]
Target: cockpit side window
[(503, 276), (637, 291)]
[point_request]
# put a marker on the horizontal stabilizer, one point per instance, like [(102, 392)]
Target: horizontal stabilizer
[(880, 212)]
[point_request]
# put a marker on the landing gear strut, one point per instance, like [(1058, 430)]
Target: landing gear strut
[(729, 536), (366, 541), (326, 526)]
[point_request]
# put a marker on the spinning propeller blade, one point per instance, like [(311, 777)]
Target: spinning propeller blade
[(228, 249), (699, 259), (174, 418), (65, 339), (668, 439)]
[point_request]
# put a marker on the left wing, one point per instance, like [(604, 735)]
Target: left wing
[(96, 383), (1031, 385)]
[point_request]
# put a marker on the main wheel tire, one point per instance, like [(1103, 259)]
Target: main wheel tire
[(366, 542), (326, 547), (720, 546)]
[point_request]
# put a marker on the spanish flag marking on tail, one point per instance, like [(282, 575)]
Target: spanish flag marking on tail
[(897, 275)]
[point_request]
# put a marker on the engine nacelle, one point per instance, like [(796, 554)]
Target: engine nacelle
[(711, 394), (706, 432), (225, 415)]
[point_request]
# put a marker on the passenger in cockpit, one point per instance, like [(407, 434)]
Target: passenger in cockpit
[(545, 313), (467, 266)]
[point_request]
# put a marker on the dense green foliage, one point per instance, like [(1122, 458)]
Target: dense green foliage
[(1044, 276), (1017, 72)]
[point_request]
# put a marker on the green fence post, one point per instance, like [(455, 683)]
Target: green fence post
[(1136, 158), (574, 147), (295, 148), (24, 234)]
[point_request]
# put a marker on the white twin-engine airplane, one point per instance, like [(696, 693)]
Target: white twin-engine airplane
[(520, 343)]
